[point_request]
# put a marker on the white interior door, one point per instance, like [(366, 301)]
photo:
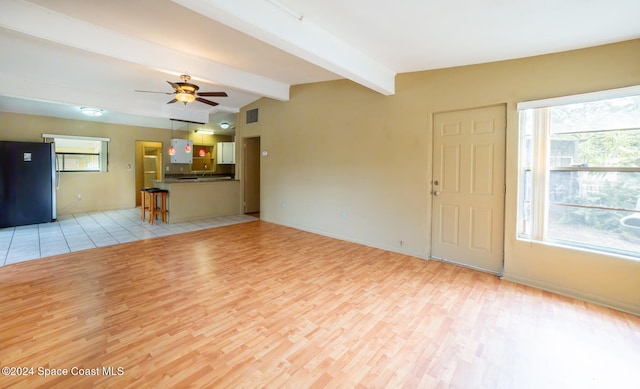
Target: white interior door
[(468, 187)]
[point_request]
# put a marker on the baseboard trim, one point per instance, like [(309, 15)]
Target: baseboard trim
[(605, 302)]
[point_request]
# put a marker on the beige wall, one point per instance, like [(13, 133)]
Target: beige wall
[(114, 189), (350, 163)]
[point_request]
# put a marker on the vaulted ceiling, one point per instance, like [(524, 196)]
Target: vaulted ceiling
[(60, 55)]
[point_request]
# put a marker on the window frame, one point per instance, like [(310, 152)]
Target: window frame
[(62, 168), (103, 155), (534, 172)]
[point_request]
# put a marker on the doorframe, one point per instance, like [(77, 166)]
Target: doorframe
[(504, 192), (139, 165)]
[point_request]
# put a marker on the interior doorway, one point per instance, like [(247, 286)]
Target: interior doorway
[(251, 175), (148, 166), (468, 187)]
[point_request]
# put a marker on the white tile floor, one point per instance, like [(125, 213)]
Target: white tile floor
[(90, 230)]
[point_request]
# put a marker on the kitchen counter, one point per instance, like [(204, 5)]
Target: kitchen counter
[(195, 179), (201, 197)]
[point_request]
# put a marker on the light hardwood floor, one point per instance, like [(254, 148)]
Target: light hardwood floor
[(262, 305)]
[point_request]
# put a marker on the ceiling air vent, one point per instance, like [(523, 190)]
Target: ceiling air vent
[(252, 116)]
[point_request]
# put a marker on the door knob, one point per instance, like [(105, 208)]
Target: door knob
[(436, 193)]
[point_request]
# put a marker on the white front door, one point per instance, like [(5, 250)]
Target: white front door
[(468, 187)]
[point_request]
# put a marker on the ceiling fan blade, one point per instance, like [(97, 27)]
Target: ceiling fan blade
[(212, 103), (216, 94), (150, 91), (175, 86), (172, 101)]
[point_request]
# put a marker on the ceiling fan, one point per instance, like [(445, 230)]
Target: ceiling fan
[(186, 92)]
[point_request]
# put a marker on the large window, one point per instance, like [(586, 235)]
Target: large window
[(80, 154), (580, 172)]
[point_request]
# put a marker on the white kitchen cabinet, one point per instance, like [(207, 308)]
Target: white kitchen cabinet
[(226, 153)]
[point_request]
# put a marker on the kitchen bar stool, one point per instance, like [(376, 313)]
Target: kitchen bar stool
[(157, 207), (144, 202)]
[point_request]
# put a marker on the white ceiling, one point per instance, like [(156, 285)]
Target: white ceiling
[(70, 53)]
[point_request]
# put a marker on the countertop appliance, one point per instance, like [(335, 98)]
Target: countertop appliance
[(27, 183)]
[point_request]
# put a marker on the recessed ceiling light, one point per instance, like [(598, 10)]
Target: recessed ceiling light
[(91, 111)]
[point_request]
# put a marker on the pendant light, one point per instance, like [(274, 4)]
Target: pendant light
[(202, 151), (172, 150), (187, 148)]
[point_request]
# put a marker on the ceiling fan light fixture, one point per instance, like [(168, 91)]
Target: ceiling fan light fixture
[(185, 97), (186, 92), (89, 111)]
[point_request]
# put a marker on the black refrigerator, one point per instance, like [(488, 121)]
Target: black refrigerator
[(27, 183)]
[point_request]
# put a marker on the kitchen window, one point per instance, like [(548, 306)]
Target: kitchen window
[(80, 154), (579, 171)]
